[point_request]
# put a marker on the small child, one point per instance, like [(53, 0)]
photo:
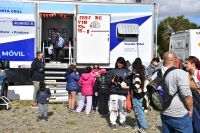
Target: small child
[(42, 97), (86, 82), (101, 89), (96, 73)]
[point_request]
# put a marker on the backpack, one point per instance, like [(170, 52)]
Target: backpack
[(61, 42), (160, 99)]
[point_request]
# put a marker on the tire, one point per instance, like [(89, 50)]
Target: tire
[(4, 90)]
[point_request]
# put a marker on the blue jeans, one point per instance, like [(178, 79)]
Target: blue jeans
[(139, 113), (176, 124)]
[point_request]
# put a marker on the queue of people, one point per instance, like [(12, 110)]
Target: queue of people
[(111, 89)]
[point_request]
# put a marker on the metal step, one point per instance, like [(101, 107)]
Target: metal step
[(58, 100), (59, 94), (58, 88), (56, 65), (48, 77), (54, 72)]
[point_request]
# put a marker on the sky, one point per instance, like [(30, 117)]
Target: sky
[(189, 8)]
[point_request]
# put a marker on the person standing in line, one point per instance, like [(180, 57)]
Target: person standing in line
[(154, 65), (37, 74), (96, 73), (86, 82), (192, 65), (137, 90), (101, 89), (42, 97), (72, 77), (178, 116), (118, 94)]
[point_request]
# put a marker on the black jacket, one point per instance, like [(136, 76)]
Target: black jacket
[(116, 88), (102, 84), (37, 70)]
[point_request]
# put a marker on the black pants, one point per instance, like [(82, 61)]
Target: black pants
[(94, 101), (103, 104), (56, 52)]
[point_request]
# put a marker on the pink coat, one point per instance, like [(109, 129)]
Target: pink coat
[(87, 82)]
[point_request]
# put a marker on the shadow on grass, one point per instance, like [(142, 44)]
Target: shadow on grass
[(50, 114)]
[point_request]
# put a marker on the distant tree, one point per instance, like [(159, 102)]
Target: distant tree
[(169, 25)]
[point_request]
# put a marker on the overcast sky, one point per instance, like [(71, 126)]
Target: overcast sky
[(189, 8)]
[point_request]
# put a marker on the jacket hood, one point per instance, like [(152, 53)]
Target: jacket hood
[(86, 76)]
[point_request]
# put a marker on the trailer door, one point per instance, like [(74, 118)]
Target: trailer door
[(93, 39)]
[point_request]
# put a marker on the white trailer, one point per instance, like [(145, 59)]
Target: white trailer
[(100, 32), (185, 43)]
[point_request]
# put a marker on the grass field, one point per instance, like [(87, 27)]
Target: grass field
[(21, 118)]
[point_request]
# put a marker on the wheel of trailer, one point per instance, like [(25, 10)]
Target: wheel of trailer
[(4, 89)]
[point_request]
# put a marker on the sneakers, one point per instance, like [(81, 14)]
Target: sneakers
[(35, 106), (142, 130), (39, 118), (124, 125), (71, 110), (113, 126), (46, 118)]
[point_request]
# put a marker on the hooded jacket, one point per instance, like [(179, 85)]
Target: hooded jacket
[(72, 81), (87, 82)]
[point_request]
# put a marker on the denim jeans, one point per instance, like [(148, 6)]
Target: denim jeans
[(176, 124), (117, 106), (139, 113)]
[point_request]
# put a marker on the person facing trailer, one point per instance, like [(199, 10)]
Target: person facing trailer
[(118, 93), (86, 82), (72, 77)]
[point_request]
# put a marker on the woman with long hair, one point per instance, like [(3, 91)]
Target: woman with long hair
[(137, 85), (118, 93), (72, 78), (192, 65)]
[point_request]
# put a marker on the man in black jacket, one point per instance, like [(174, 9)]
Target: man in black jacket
[(37, 74)]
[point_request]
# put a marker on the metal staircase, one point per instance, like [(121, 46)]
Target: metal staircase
[(54, 78)]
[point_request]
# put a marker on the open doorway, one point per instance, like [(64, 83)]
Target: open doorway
[(55, 25)]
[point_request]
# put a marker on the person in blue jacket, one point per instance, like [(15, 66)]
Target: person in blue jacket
[(42, 97), (72, 78)]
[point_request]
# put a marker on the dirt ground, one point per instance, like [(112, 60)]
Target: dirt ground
[(21, 118)]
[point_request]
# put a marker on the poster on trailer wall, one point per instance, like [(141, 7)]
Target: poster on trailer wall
[(17, 31)]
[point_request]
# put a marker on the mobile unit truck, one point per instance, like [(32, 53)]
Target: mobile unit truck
[(94, 33), (185, 43)]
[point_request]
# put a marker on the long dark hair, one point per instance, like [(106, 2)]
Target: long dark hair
[(120, 60), (71, 68), (195, 60), (140, 69)]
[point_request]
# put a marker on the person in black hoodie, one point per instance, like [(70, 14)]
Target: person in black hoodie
[(37, 74), (101, 89), (118, 93), (42, 97)]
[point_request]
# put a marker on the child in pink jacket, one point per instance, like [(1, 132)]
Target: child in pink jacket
[(86, 82)]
